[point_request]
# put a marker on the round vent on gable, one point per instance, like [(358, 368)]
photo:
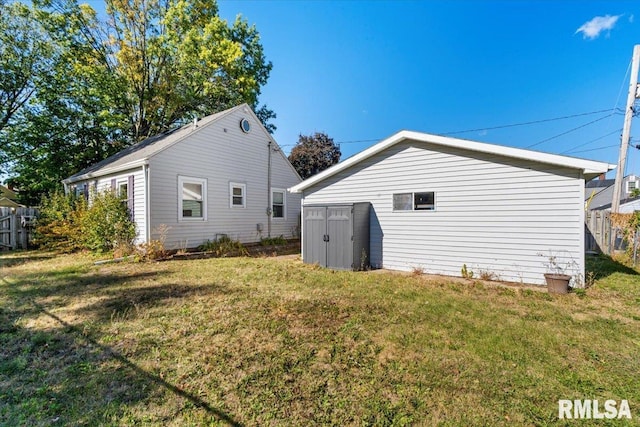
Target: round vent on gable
[(245, 125)]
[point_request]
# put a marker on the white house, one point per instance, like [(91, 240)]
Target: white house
[(439, 203), (222, 175)]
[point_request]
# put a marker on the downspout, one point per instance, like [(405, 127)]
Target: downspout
[(147, 209), (269, 205)]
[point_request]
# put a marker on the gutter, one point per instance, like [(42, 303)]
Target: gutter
[(106, 171)]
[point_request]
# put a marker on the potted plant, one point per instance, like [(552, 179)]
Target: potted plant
[(556, 277)]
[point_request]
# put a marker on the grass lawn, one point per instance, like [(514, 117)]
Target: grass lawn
[(263, 341)]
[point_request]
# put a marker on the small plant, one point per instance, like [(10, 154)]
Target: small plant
[(555, 266), (273, 241), (154, 249), (488, 275), (466, 273), (417, 271), (224, 246)]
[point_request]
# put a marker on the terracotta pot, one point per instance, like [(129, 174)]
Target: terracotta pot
[(557, 283)]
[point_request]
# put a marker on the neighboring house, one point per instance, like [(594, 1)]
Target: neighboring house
[(224, 175), (8, 198), (599, 193), (439, 203), (629, 205)]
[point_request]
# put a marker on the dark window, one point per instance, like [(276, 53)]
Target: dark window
[(424, 201)]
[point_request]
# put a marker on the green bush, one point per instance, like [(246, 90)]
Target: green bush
[(107, 225), (59, 222), (224, 246), (68, 223), (273, 241)]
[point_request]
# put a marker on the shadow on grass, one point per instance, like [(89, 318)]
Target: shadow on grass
[(125, 302), (147, 376), (64, 374), (10, 259), (602, 266)]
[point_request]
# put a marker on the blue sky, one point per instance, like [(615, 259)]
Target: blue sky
[(363, 70)]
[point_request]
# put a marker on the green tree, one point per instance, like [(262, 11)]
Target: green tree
[(313, 154), (151, 66)]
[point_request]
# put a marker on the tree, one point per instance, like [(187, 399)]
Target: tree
[(151, 66), (313, 154)]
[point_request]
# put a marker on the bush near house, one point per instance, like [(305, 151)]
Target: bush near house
[(68, 223)]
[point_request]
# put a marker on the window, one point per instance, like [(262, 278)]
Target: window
[(192, 198), (123, 190), (237, 195), (82, 190), (631, 185), (425, 201), (278, 205), (402, 202)]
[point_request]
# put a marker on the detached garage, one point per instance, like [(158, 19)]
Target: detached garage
[(439, 203)]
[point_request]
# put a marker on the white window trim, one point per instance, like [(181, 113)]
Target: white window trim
[(119, 183), (284, 203), (192, 180), (233, 185)]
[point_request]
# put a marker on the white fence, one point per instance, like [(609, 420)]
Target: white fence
[(16, 227)]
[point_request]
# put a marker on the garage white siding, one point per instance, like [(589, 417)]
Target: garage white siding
[(495, 214), (221, 153)]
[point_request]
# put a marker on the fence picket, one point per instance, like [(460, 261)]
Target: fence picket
[(14, 232)]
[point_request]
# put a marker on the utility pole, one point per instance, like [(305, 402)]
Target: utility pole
[(626, 129)]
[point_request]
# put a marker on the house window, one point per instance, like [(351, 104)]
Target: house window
[(424, 201), (237, 195), (631, 185), (278, 205), (123, 190), (192, 198), (82, 190)]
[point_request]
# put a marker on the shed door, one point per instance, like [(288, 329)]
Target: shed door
[(339, 246), (315, 229)]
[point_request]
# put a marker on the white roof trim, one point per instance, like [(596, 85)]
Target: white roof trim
[(589, 167), (107, 170)]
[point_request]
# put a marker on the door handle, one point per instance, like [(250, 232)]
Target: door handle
[(325, 238)]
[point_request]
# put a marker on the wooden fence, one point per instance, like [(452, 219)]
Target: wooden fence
[(600, 236), (16, 227)]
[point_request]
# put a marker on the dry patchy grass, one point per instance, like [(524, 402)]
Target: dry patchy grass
[(248, 341)]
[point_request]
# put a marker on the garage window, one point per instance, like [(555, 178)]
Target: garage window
[(423, 201)]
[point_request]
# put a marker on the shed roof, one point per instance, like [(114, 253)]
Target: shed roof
[(590, 168), (139, 153)]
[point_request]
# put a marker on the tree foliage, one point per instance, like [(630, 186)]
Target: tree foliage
[(313, 154), (98, 87)]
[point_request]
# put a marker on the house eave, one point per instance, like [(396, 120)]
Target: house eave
[(106, 171), (589, 168)]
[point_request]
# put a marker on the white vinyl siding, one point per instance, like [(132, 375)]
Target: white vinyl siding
[(222, 154), (494, 213)]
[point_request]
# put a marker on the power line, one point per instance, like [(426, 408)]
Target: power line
[(593, 140), (596, 149), (570, 130), (531, 122)]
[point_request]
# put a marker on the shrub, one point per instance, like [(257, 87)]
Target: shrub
[(68, 223), (273, 241), (59, 224), (107, 224), (224, 246)]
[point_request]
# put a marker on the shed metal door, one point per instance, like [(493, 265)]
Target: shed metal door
[(339, 246), (315, 229)]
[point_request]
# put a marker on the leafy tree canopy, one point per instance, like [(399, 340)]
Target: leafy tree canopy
[(313, 154), (76, 90)]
